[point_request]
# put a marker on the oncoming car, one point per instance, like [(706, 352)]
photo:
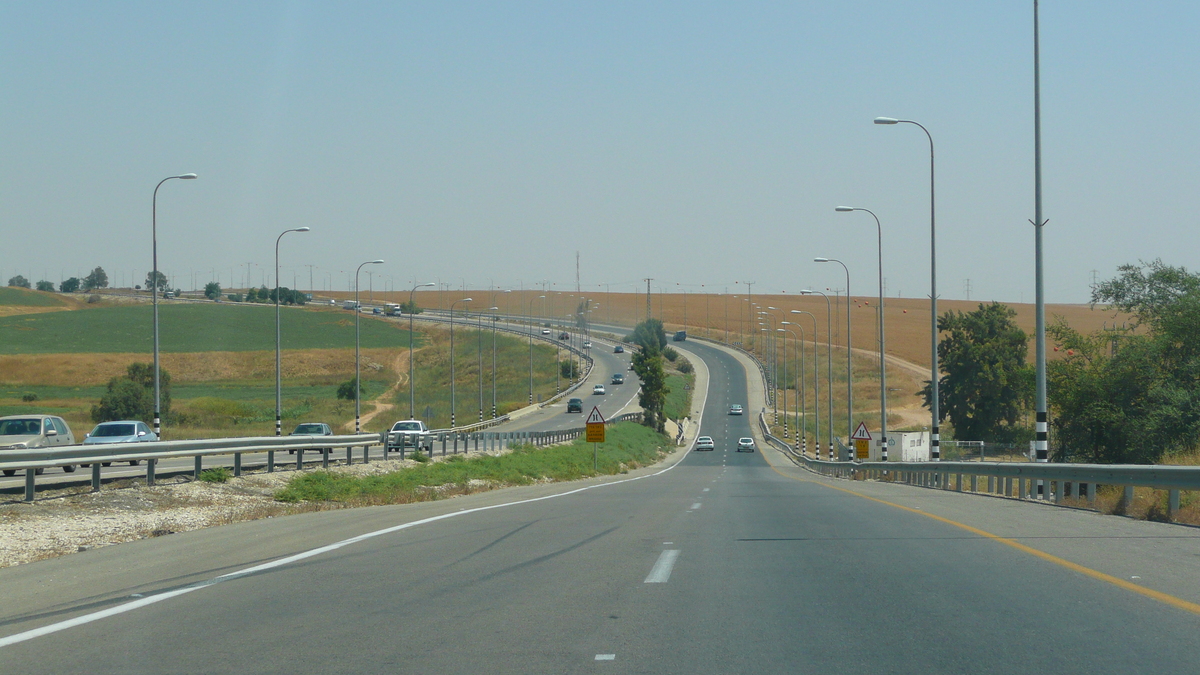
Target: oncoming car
[(598, 390), (122, 431), (705, 443), (575, 405), (310, 429), (735, 409), (745, 445), (20, 432)]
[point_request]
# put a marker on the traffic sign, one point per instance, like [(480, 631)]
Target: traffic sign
[(595, 427), (861, 433)]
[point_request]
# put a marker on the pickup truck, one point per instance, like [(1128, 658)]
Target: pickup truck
[(409, 434)]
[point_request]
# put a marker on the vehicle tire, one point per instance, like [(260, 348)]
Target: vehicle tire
[(10, 472), (69, 469), (134, 462), (38, 472), (105, 463)]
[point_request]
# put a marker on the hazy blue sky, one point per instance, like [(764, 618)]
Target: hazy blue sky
[(693, 142)]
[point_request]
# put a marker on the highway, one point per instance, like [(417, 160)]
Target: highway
[(716, 562)]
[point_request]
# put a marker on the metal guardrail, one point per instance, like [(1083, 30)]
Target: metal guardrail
[(1052, 482)]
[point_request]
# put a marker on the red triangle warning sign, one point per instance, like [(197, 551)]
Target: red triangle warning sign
[(595, 417), (861, 433)]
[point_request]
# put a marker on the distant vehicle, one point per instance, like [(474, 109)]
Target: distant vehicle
[(631, 366), (349, 304), (745, 445), (705, 443), (575, 405), (123, 431), (545, 331), (391, 309), (598, 390), (735, 409), (587, 345), (333, 303), (619, 349), (376, 310), (310, 429), (21, 432), (409, 434), (618, 378), (169, 295), (564, 335), (680, 336)]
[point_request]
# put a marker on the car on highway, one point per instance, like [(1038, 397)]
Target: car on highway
[(735, 409), (705, 443), (409, 434), (618, 378), (745, 445), (564, 336), (575, 405), (619, 349), (120, 431), (22, 432), (598, 390), (587, 345), (545, 331), (631, 366), (377, 310), (310, 429)]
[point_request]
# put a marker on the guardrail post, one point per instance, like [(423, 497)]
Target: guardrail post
[(1128, 498), (150, 471), (477, 442), (385, 449), (299, 459), (349, 455), (443, 447), (95, 476), (991, 485), (1172, 504), (197, 467), (1092, 489), (973, 483), (366, 454), (456, 435), (958, 483), (30, 488), (237, 463), (324, 458), (270, 461)]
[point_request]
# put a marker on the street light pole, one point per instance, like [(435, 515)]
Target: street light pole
[(1041, 449), (883, 444), (934, 440), (278, 385), (849, 352), (479, 341), (828, 363), (412, 382), (452, 399), (154, 296), (357, 370), (531, 347), (816, 386), (798, 352)]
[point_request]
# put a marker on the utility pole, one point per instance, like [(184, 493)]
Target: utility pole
[(577, 291), (750, 310), (649, 304), (310, 278), (967, 288)]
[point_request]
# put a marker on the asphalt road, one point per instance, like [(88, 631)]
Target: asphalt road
[(719, 563)]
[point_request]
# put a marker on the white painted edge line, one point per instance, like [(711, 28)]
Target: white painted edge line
[(150, 600), (606, 657), (662, 567)]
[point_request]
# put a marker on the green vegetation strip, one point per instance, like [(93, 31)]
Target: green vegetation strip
[(629, 446), (26, 298), (190, 327)]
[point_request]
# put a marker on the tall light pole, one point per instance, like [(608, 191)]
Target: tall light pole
[(883, 445), (934, 440), (849, 351), (816, 383), (357, 370), (1041, 449), (774, 366), (412, 382), (828, 362), (278, 379), (479, 340), (531, 347), (154, 296), (798, 352), (494, 363), (452, 399)]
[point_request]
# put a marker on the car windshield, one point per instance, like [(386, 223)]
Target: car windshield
[(309, 429), (406, 426), (114, 430), (20, 427)]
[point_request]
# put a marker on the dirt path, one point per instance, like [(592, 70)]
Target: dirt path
[(380, 402)]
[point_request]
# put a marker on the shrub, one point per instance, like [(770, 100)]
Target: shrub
[(418, 456), (69, 286), (18, 281), (93, 299), (45, 286), (345, 391), (29, 398), (132, 397), (684, 366), (670, 354), (216, 475), (568, 369)]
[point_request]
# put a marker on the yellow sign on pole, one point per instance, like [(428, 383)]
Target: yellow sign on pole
[(862, 449), (595, 427)]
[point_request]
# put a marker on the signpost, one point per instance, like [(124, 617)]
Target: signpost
[(595, 433), (862, 441)]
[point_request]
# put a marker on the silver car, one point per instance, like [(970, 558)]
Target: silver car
[(19, 432), (123, 431)]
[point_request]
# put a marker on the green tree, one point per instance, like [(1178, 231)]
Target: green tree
[(212, 290), (568, 369), (45, 286), (345, 391), (97, 278), (69, 286), (132, 397), (162, 285), (18, 281), (648, 364), (410, 307), (649, 332), (986, 383)]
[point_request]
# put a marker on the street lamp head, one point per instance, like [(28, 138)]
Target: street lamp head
[(465, 300), (796, 311), (301, 229), (492, 309), (843, 208), (820, 259), (376, 262), (773, 308), (805, 292), (886, 120), (188, 176)]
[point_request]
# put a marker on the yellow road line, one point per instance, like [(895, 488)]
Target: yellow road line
[(1171, 600)]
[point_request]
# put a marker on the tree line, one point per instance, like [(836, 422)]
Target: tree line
[(95, 280)]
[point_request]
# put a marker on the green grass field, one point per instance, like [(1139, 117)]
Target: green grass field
[(191, 327), (22, 297)]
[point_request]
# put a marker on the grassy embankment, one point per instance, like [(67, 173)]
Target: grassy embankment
[(221, 359), (678, 404), (628, 446)]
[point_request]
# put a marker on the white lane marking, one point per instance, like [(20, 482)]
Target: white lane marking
[(695, 506), (606, 657), (707, 489), (142, 602), (662, 567), (668, 543)]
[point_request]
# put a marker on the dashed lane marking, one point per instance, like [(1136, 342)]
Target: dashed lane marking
[(662, 567)]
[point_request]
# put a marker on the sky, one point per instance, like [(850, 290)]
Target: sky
[(697, 143)]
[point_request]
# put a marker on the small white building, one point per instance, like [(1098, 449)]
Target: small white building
[(903, 446)]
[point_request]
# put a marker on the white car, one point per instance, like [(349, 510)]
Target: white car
[(545, 331), (705, 443), (735, 409), (598, 390), (745, 445)]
